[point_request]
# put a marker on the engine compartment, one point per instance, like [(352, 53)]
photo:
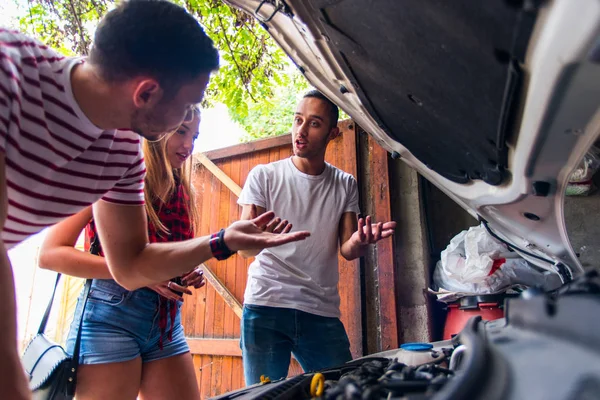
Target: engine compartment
[(547, 346)]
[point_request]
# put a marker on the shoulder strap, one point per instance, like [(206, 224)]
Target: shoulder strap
[(74, 364), (86, 291), (49, 307)]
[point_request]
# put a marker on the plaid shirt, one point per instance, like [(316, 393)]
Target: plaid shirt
[(173, 215)]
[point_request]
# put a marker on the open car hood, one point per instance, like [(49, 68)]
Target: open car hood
[(495, 102)]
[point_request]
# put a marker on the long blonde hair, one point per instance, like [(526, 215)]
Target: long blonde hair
[(159, 184)]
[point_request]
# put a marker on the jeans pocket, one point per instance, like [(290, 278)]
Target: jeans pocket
[(100, 296)]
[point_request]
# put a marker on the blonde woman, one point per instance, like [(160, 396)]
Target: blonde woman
[(132, 342)]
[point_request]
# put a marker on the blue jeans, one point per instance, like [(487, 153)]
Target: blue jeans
[(270, 335), (120, 325)]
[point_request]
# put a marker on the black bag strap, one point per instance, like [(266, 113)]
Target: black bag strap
[(74, 364), (72, 373), (88, 284), (86, 291), (47, 313)]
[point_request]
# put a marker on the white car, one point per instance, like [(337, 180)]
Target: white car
[(495, 102)]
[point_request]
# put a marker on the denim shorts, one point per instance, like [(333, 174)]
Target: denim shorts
[(120, 325)]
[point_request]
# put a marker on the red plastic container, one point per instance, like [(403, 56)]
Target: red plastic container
[(489, 307)]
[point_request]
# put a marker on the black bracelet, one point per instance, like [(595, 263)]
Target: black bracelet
[(218, 247)]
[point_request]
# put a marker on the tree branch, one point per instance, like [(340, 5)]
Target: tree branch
[(234, 59), (80, 30)]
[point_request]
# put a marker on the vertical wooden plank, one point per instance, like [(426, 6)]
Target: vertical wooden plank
[(244, 168), (188, 313), (227, 385), (222, 211), (241, 266), (207, 193), (230, 319), (285, 151), (204, 229), (384, 248), (216, 380), (200, 312), (212, 297), (237, 376), (273, 155), (241, 263), (351, 270), (264, 157), (210, 292), (189, 307), (220, 270), (346, 273), (331, 155), (206, 370), (197, 360)]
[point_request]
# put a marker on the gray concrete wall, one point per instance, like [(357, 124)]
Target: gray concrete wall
[(411, 255)]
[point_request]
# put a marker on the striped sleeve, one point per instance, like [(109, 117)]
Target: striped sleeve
[(130, 189), (5, 99)]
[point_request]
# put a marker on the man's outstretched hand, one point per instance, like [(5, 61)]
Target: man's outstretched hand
[(369, 233), (252, 235)]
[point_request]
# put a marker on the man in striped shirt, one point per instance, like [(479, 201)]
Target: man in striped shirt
[(69, 136)]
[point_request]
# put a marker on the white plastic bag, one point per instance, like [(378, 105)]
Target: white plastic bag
[(470, 255), (466, 265)]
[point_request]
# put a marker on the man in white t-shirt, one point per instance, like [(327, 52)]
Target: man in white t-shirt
[(69, 137), (291, 304)]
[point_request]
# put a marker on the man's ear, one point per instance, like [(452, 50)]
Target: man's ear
[(147, 93), (334, 133)]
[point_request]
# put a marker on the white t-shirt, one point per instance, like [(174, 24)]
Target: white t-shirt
[(302, 275), (57, 161)]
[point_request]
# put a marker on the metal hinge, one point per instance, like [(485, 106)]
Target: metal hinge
[(279, 6)]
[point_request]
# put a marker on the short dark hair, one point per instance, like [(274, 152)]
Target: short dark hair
[(334, 112), (155, 38)]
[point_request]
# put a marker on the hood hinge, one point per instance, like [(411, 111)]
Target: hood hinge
[(279, 6)]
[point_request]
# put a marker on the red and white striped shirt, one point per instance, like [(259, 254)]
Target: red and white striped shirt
[(57, 161)]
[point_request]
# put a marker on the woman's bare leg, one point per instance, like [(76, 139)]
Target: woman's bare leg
[(115, 381), (170, 378)]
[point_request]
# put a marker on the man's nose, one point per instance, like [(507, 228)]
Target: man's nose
[(303, 130)]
